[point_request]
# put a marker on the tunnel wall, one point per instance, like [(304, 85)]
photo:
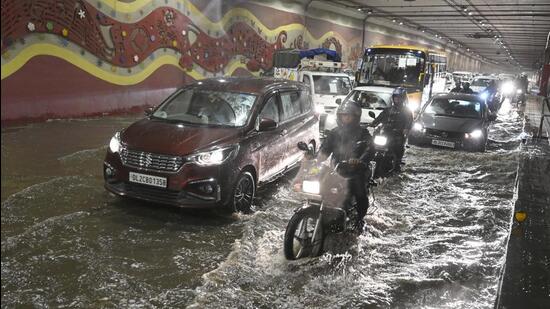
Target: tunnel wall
[(77, 58)]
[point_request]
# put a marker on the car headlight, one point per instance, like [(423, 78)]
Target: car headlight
[(417, 126), (114, 144), (380, 140), (507, 87), (474, 134), (519, 91), (213, 157), (312, 187), (414, 105), (484, 95)]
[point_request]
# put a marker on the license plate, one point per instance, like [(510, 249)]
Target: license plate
[(443, 143), (148, 180)]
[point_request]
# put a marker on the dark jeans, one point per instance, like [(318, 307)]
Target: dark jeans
[(398, 149), (356, 188)]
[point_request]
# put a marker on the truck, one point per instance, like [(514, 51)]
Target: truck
[(319, 68)]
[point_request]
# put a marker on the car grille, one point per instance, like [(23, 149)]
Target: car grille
[(444, 134), (153, 194), (150, 161)]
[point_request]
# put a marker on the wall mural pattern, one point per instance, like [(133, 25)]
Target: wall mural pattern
[(124, 47)]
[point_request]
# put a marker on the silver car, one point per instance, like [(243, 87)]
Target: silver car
[(454, 120)]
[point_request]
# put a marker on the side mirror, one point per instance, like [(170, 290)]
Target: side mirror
[(338, 101), (492, 117), (148, 111), (372, 114), (267, 124), (303, 146)]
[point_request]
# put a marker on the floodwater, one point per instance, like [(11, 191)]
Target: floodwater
[(436, 233)]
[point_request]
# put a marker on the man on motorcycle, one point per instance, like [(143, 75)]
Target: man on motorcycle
[(466, 88), (399, 121), (342, 143)]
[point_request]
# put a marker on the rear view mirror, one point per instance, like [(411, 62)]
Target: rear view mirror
[(338, 101), (372, 114), (267, 124), (148, 111)]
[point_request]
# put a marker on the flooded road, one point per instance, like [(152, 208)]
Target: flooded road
[(436, 234)]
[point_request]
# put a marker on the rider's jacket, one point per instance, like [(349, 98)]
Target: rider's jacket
[(396, 119), (342, 144)]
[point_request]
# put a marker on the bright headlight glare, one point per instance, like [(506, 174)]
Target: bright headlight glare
[(380, 140), (508, 87), (519, 91), (114, 144), (484, 95), (475, 134), (413, 105), (312, 187), (417, 126)]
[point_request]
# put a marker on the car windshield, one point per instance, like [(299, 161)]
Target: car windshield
[(483, 82), (454, 108), (370, 99), (206, 107), (393, 69), (334, 85)]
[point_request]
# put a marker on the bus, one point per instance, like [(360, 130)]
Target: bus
[(421, 71)]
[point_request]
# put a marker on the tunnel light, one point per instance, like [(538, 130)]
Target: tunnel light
[(470, 13), (393, 20)]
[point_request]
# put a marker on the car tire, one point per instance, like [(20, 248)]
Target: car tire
[(243, 193)]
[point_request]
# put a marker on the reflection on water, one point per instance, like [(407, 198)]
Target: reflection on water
[(436, 239)]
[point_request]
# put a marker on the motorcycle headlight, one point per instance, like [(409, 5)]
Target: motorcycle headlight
[(114, 144), (380, 140), (312, 187), (507, 87), (213, 157), (417, 126), (519, 91), (474, 134)]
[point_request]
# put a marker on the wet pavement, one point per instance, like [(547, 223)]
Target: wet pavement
[(436, 236)]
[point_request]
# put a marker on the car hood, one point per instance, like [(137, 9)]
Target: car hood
[(163, 137), (452, 124)]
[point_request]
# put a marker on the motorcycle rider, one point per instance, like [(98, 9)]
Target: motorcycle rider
[(457, 88), (342, 143), (466, 88), (399, 121)]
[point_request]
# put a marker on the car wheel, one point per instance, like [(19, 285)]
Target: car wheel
[(243, 193)]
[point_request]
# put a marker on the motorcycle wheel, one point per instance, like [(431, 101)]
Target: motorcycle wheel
[(298, 242)]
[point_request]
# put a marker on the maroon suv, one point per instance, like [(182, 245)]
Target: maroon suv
[(212, 143)]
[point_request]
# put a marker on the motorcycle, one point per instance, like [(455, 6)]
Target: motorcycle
[(385, 158), (323, 186)]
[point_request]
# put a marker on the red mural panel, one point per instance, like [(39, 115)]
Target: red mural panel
[(128, 44)]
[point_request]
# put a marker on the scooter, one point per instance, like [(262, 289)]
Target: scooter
[(323, 186)]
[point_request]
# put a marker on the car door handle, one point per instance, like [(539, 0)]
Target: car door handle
[(284, 132)]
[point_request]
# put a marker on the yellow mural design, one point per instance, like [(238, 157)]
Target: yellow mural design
[(48, 49)]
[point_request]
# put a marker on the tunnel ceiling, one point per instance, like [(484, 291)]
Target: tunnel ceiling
[(504, 32)]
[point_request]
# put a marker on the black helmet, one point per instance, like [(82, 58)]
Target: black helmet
[(349, 107), (400, 94)]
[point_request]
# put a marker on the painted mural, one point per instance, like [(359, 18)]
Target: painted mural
[(134, 53), (127, 42)]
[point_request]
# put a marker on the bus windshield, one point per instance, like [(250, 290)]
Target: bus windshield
[(393, 68)]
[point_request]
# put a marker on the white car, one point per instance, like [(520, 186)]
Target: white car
[(370, 98), (481, 82)]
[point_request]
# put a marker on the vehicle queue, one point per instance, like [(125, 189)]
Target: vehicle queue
[(212, 143)]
